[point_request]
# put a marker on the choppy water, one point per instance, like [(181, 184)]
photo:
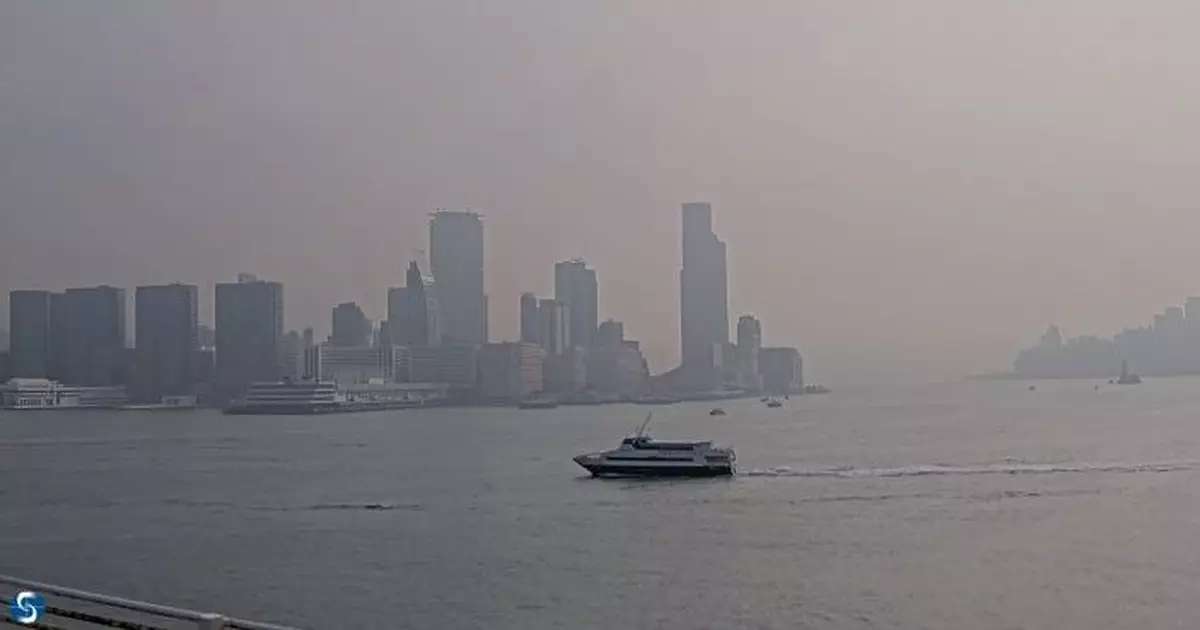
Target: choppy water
[(950, 506)]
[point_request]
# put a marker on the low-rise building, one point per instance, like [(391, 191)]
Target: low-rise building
[(456, 365), (510, 371)]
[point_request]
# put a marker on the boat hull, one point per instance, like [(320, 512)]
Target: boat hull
[(600, 468)]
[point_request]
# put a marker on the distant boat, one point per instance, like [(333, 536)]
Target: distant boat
[(716, 411), (538, 403), (1127, 377), (774, 403), (656, 400), (816, 389)]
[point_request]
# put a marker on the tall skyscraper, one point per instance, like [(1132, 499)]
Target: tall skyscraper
[(456, 258), (575, 286), (749, 344), (249, 334), (350, 326), (94, 323), (704, 299), (530, 319), (29, 333), (166, 340), (413, 311), (554, 328)]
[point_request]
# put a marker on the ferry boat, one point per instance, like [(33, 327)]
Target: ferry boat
[(641, 456), (26, 394), (288, 397)]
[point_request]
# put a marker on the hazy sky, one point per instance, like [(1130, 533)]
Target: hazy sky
[(922, 183)]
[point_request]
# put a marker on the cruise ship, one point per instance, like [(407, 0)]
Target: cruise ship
[(641, 456), (28, 394), (288, 397)]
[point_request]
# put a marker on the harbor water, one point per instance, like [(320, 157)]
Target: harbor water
[(948, 506)]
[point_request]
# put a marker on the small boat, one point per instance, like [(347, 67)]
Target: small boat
[(655, 400), (774, 403), (538, 403), (641, 456), (716, 411), (816, 389)]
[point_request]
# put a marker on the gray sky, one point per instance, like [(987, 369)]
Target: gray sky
[(922, 184)]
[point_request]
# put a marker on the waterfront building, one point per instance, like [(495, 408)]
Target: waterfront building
[(510, 371), (249, 334), (166, 340)]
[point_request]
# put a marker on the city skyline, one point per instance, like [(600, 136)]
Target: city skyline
[(926, 236)]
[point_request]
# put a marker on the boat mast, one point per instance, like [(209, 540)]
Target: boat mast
[(642, 428)]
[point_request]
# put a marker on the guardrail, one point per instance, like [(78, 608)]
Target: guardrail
[(73, 609)]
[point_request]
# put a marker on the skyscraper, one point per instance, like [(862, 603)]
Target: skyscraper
[(704, 302), (413, 311), (530, 319), (93, 319), (350, 326), (166, 341), (249, 334), (29, 334), (749, 344), (456, 258), (575, 286), (554, 329)]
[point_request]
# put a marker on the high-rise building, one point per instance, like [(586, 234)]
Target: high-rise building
[(59, 333), (351, 328), (413, 310), (704, 301), (249, 334), (531, 327), (510, 371), (554, 327), (94, 321), (29, 336), (293, 355), (617, 369), (456, 259), (165, 341), (575, 286), (749, 344), (610, 334), (782, 370)]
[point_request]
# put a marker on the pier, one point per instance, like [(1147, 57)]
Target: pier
[(73, 609)]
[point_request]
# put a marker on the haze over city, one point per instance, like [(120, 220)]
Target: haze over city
[(907, 190)]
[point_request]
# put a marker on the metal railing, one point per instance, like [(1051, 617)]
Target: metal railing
[(73, 609)]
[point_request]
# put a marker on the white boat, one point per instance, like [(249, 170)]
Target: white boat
[(167, 403), (25, 394), (290, 397), (641, 456)]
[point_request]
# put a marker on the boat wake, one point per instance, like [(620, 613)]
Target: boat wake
[(949, 470)]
